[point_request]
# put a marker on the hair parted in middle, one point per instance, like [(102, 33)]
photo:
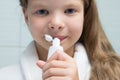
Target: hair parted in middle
[(104, 62)]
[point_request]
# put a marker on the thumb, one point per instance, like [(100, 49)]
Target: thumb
[(60, 55), (40, 63)]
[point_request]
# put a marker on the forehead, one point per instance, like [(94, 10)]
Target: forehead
[(54, 2)]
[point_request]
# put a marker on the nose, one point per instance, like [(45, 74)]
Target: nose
[(56, 23)]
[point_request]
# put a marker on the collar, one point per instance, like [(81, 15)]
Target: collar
[(32, 72)]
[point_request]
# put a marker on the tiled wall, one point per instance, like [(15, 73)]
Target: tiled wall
[(110, 18), (14, 35)]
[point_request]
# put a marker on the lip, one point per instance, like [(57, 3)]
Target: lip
[(60, 37)]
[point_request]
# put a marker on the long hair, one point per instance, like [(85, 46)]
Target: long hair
[(104, 62)]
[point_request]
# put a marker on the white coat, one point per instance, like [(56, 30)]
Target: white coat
[(28, 70)]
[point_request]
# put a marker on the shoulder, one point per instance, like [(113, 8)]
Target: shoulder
[(11, 73)]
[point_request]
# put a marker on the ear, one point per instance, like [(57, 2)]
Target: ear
[(25, 13)]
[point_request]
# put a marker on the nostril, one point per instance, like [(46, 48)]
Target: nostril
[(55, 27), (52, 27), (59, 28)]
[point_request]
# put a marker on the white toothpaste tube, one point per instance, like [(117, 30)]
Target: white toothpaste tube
[(55, 45)]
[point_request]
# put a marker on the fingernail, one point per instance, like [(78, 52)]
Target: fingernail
[(40, 63)]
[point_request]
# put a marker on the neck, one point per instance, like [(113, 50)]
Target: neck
[(42, 52), (70, 51)]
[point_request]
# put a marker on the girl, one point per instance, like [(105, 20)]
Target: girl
[(87, 54)]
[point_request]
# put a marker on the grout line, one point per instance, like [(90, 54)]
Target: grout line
[(12, 46)]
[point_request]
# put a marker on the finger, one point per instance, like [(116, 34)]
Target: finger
[(56, 64), (58, 78), (60, 55), (40, 63), (54, 72)]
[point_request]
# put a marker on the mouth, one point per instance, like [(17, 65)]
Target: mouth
[(60, 37)]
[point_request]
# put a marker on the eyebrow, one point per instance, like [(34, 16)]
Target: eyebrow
[(72, 5), (38, 5), (75, 4)]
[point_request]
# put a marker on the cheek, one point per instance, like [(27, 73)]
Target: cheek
[(37, 28), (76, 32), (76, 27), (36, 25)]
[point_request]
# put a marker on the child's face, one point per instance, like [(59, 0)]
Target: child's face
[(59, 18)]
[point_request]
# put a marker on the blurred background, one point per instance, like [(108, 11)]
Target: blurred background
[(14, 35)]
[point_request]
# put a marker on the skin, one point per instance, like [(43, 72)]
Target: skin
[(62, 19)]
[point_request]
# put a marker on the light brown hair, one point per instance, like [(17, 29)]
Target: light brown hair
[(105, 63)]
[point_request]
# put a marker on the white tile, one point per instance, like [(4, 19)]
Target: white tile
[(9, 22), (26, 37), (9, 36), (9, 55)]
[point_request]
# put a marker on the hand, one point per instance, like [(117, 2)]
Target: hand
[(60, 66)]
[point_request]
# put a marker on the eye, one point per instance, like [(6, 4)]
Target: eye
[(70, 11), (42, 12)]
